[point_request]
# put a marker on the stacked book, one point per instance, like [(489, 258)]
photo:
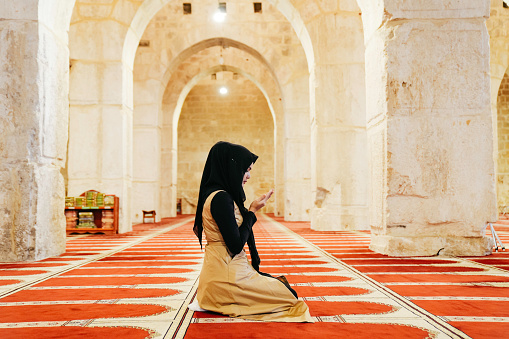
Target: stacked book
[(70, 218), (79, 201), (109, 200), (69, 201), (99, 199), (90, 198), (86, 220), (107, 219)]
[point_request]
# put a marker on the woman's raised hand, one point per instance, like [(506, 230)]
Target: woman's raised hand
[(260, 202)]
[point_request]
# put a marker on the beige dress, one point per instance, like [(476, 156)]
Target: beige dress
[(231, 286)]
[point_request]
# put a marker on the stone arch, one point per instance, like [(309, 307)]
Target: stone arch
[(223, 42), (318, 20), (209, 71), (197, 36), (249, 138), (181, 75), (150, 7), (130, 22)]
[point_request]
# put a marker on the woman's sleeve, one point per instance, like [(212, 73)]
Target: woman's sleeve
[(223, 213)]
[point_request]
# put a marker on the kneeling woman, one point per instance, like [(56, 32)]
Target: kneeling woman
[(228, 283)]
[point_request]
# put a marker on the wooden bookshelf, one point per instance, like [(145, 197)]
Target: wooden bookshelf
[(97, 212)]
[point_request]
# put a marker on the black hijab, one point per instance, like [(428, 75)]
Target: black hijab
[(224, 170)]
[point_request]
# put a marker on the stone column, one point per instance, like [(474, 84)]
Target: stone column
[(338, 125), (279, 164), (297, 150), (33, 132), (147, 149), (101, 114), (503, 145), (168, 173), (429, 128)]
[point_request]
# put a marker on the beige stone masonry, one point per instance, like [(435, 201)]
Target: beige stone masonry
[(242, 116)]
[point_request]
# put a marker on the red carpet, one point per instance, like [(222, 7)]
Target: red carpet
[(108, 281), (31, 265), (87, 294), (139, 263), (446, 300), (296, 279), (287, 256), (116, 271), (466, 308), (342, 300), (369, 269), (16, 314), (324, 308), (490, 330), (19, 272), (9, 282), (73, 332), (319, 330), (70, 259), (456, 278), (305, 291), (451, 290), (396, 261), (301, 269), (147, 257), (293, 262)]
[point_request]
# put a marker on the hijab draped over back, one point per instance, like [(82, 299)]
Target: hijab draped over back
[(224, 170)]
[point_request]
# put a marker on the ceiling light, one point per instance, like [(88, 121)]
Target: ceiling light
[(220, 14)]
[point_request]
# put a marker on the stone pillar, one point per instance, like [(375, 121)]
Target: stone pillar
[(33, 132), (168, 173), (100, 135), (147, 149), (101, 114), (279, 164), (338, 126), (429, 128), (503, 145), (297, 150)]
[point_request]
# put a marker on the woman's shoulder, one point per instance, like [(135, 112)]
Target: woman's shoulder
[(222, 196), (218, 195)]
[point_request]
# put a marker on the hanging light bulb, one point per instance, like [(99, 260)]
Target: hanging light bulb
[(223, 90)]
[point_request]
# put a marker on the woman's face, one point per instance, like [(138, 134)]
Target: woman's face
[(247, 175)]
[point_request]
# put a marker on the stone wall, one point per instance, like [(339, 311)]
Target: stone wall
[(242, 116), (503, 145)]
